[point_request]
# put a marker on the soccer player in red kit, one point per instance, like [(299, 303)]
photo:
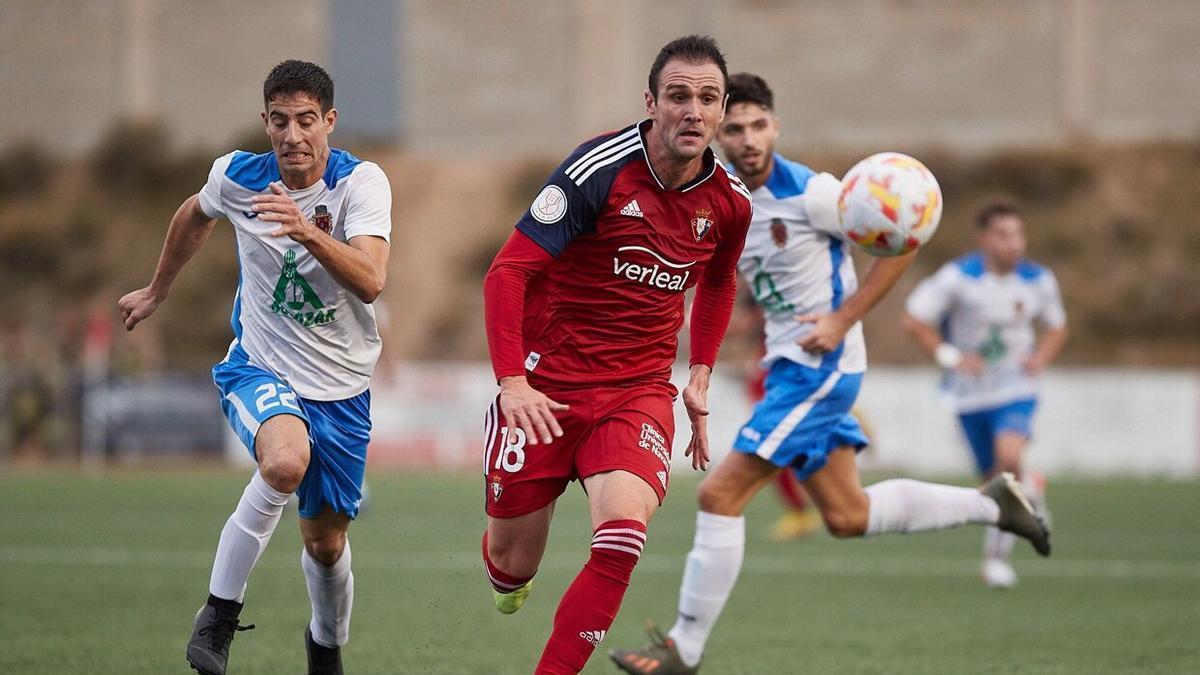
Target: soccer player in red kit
[(583, 306)]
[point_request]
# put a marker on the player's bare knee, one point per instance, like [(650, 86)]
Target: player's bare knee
[(723, 496), (326, 549), (711, 498), (512, 558), (282, 473), (846, 522)]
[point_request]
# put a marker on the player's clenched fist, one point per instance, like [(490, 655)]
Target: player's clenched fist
[(138, 305), (828, 331), (278, 207), (531, 410)]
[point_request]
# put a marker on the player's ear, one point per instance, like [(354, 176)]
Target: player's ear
[(330, 120), (649, 102)]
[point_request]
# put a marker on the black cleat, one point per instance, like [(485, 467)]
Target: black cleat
[(660, 657), (322, 660), (216, 622), (1017, 515)]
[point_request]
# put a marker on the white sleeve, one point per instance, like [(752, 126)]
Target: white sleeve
[(210, 194), (369, 204), (821, 199), (1052, 314), (933, 297)]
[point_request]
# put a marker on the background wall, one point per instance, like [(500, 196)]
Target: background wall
[(526, 76), (1090, 423)]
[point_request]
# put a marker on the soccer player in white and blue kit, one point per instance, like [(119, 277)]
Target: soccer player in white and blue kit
[(313, 226), (976, 317), (797, 264)]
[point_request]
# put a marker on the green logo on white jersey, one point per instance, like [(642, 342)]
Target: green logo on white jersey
[(295, 298), (993, 349)]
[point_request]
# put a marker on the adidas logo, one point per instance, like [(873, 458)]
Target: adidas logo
[(593, 636), (662, 478), (632, 209)]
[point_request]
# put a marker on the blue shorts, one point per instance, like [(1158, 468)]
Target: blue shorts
[(804, 416), (982, 426), (338, 431)]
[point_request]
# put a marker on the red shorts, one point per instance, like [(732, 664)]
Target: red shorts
[(607, 428)]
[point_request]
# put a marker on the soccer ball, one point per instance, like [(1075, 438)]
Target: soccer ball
[(890, 204)]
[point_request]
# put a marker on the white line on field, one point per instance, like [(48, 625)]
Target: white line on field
[(659, 563)]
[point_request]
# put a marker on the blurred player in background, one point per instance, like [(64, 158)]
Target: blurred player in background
[(583, 306), (797, 267), (313, 226), (976, 317)]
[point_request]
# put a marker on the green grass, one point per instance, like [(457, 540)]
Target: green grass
[(103, 575)]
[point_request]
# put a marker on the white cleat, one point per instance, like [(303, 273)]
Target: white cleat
[(998, 573)]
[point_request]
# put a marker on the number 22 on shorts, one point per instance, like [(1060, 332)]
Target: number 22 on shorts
[(270, 395)]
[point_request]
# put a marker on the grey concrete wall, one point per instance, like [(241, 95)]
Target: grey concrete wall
[(530, 76), (70, 68)]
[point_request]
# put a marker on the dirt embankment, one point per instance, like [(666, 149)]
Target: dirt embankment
[(1120, 226)]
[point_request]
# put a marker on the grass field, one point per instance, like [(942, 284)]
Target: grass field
[(103, 575)]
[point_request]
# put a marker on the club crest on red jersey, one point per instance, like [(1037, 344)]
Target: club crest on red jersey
[(779, 233), (702, 223), (323, 219)]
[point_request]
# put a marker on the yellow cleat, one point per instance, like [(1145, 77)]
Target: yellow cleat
[(510, 602), (796, 525)]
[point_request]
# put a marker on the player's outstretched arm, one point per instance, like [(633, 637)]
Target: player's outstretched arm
[(189, 229), (695, 400), (830, 329), (359, 265)]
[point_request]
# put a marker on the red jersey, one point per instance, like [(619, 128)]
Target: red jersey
[(598, 267)]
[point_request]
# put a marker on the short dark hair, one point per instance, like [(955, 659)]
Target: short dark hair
[(693, 49), (750, 88), (299, 77), (995, 210)]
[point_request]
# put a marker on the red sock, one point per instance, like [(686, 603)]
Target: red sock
[(790, 491), (589, 606), (501, 581)]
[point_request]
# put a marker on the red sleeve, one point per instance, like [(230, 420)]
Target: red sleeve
[(504, 301), (715, 295)]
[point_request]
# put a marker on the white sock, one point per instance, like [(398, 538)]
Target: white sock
[(708, 578), (905, 505), (244, 538), (997, 544), (331, 592)]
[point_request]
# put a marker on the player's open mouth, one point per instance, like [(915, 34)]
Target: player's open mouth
[(692, 134), (295, 156)]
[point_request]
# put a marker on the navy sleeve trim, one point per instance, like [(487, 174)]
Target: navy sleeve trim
[(575, 194)]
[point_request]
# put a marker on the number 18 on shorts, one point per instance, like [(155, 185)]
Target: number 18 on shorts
[(605, 429)]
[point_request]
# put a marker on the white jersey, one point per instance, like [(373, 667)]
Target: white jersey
[(991, 315), (796, 262), (290, 316)]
